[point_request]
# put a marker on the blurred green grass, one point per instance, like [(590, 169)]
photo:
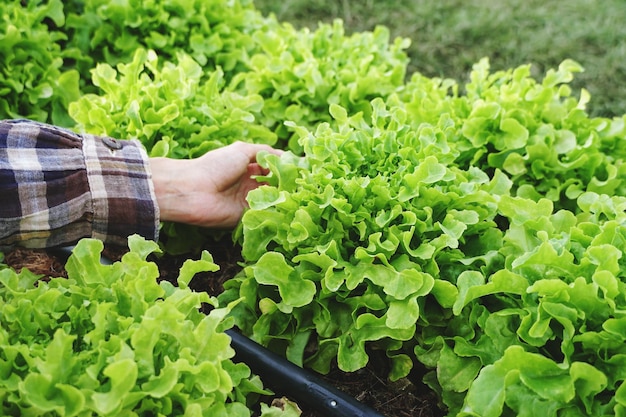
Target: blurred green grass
[(449, 36)]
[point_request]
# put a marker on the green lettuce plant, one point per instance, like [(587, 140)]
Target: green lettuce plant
[(52, 49), (290, 75), (480, 234), (34, 82), (170, 107), (111, 341), (300, 73), (216, 33)]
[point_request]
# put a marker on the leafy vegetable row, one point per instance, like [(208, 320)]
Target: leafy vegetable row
[(109, 341), (481, 235), (194, 50)]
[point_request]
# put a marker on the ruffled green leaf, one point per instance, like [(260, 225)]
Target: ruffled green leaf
[(272, 269)]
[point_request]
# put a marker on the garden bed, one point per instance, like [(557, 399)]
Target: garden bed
[(474, 229), (370, 385)]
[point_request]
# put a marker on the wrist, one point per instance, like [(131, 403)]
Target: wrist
[(167, 190)]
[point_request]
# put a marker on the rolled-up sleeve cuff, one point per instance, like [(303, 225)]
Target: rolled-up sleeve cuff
[(59, 186), (122, 192)]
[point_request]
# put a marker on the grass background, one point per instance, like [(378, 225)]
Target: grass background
[(449, 36)]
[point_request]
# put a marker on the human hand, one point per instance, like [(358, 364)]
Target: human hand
[(209, 191)]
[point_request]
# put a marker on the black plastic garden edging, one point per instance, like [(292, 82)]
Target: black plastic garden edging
[(305, 387)]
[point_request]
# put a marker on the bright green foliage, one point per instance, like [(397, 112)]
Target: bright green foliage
[(171, 109), (290, 75), (181, 102), (479, 229), (111, 341), (264, 71), (449, 37), (49, 48), (33, 81), (300, 73), (216, 33), (480, 234)]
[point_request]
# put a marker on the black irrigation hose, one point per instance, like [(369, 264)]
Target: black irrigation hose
[(285, 377)]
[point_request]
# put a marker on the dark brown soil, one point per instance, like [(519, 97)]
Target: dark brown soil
[(370, 385)]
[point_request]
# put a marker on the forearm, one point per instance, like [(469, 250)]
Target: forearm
[(58, 186)]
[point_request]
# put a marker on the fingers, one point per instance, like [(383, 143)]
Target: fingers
[(255, 170), (250, 150)]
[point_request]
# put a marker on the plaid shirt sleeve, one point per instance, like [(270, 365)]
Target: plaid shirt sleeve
[(57, 186)]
